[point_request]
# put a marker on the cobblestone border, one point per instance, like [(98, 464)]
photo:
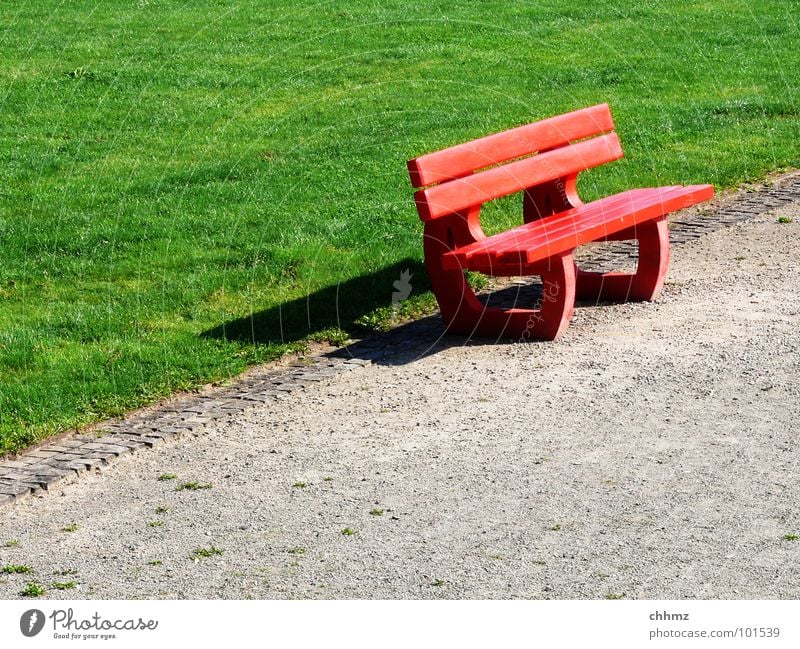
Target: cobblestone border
[(60, 461)]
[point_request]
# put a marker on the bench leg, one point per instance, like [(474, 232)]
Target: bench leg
[(651, 270), (464, 314)]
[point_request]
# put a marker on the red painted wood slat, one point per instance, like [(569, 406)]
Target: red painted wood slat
[(563, 232), (462, 160), (477, 189)]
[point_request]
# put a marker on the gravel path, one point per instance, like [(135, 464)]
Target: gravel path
[(652, 453)]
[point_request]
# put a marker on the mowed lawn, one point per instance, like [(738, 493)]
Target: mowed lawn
[(168, 169)]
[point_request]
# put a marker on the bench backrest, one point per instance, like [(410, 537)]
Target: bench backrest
[(461, 179)]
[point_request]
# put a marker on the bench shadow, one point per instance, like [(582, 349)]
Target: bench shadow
[(426, 336), (343, 304), (340, 305)]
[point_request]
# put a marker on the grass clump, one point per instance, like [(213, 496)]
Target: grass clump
[(348, 531), (166, 476), (70, 527), (785, 219), (205, 553), (16, 569), (63, 585), (332, 335), (32, 589), (193, 486)]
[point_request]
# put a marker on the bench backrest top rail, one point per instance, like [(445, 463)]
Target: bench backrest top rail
[(464, 159), (473, 190)]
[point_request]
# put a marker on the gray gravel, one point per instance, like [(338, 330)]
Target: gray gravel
[(651, 453)]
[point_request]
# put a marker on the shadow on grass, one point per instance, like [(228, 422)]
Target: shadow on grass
[(341, 305)]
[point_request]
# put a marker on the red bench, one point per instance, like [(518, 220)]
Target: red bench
[(458, 180)]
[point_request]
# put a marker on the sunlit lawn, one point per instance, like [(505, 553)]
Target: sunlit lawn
[(169, 168)]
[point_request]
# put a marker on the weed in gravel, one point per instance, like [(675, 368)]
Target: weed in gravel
[(297, 551), (154, 562), (71, 527), (205, 553), (155, 523), (555, 528), (376, 512), (162, 509), (300, 485), (790, 537), (615, 595), (63, 585), (785, 219), (13, 543), (348, 531), (167, 476), (65, 572), (14, 569), (438, 582), (193, 486), (327, 478), (32, 589)]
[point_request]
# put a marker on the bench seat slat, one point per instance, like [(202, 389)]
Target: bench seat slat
[(607, 211), (463, 159), (512, 238), (479, 188), (560, 233)]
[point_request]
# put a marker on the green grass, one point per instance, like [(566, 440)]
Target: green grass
[(190, 188), (16, 569), (32, 589), (205, 553)]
